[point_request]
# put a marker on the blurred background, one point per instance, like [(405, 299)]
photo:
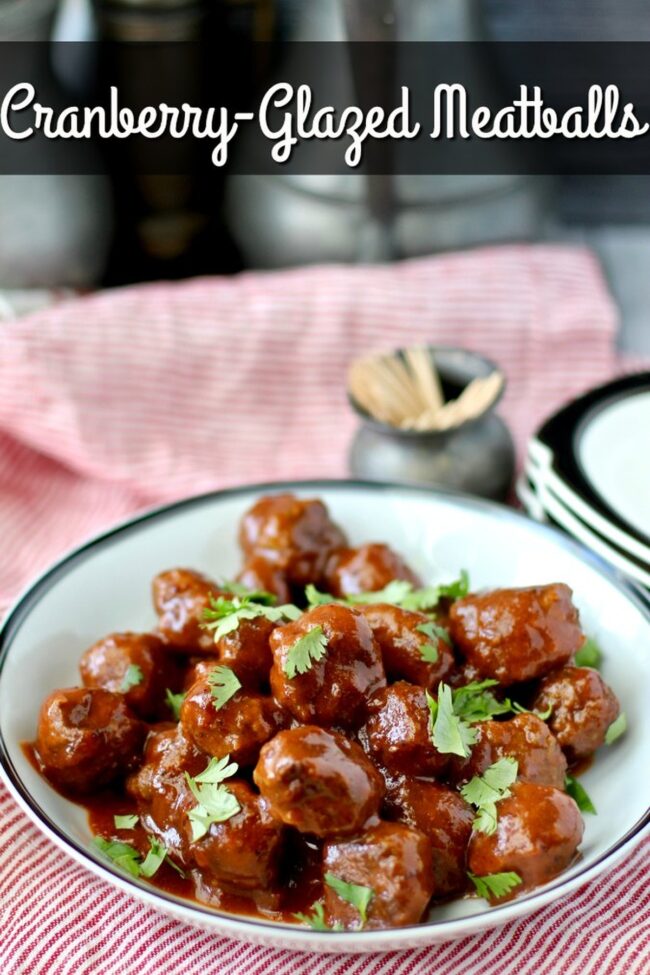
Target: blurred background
[(87, 232)]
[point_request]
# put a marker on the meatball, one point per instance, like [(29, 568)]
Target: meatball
[(410, 648), (238, 728), (318, 781), (524, 737), (260, 574), (295, 535), (87, 738), (397, 734), (247, 652), (180, 597), (445, 819), (137, 665), (333, 690), (539, 829), (160, 789), (242, 854), (365, 569), (583, 707), (515, 635), (394, 862)]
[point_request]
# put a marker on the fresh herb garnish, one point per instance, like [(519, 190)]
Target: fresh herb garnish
[(354, 894), (579, 794), (224, 615), (429, 651), (520, 709), (616, 729), (305, 652), (224, 683), (402, 593), (128, 858), (474, 702), (132, 677), (589, 654), (316, 920), (257, 595), (174, 702), (315, 597), (450, 734), (122, 854), (125, 822), (495, 885), (484, 791), (216, 803), (153, 859)]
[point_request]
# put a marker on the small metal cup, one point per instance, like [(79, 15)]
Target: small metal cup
[(476, 457)]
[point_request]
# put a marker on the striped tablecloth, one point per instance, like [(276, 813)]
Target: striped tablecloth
[(125, 399)]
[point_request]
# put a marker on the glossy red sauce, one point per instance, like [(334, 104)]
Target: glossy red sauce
[(301, 883)]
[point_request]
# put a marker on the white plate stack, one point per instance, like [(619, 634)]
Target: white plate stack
[(588, 471)]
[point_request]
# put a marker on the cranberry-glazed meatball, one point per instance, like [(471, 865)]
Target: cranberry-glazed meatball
[(247, 652), (524, 737), (516, 635), (242, 854), (583, 707), (160, 788), (445, 819), (260, 574), (334, 689), (365, 569), (394, 862), (180, 597), (397, 734), (294, 534), (87, 738), (137, 665), (538, 833), (318, 781), (237, 727), (411, 645)]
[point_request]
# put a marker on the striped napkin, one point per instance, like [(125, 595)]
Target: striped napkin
[(125, 399)]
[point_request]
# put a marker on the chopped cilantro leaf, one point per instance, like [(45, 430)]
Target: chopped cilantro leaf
[(616, 729), (125, 822), (132, 677), (520, 709), (435, 633), (306, 651), (224, 683), (122, 854), (451, 735), (153, 859), (589, 654), (495, 885), (354, 894), (174, 702), (457, 589), (316, 920), (224, 615), (474, 702), (579, 794), (216, 803), (395, 592), (128, 858), (315, 597), (400, 592), (257, 595), (484, 791)]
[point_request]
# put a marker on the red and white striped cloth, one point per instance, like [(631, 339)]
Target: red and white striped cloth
[(125, 399)]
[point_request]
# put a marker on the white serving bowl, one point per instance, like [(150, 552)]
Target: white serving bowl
[(105, 585)]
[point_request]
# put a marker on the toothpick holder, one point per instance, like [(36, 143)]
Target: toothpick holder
[(476, 457)]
